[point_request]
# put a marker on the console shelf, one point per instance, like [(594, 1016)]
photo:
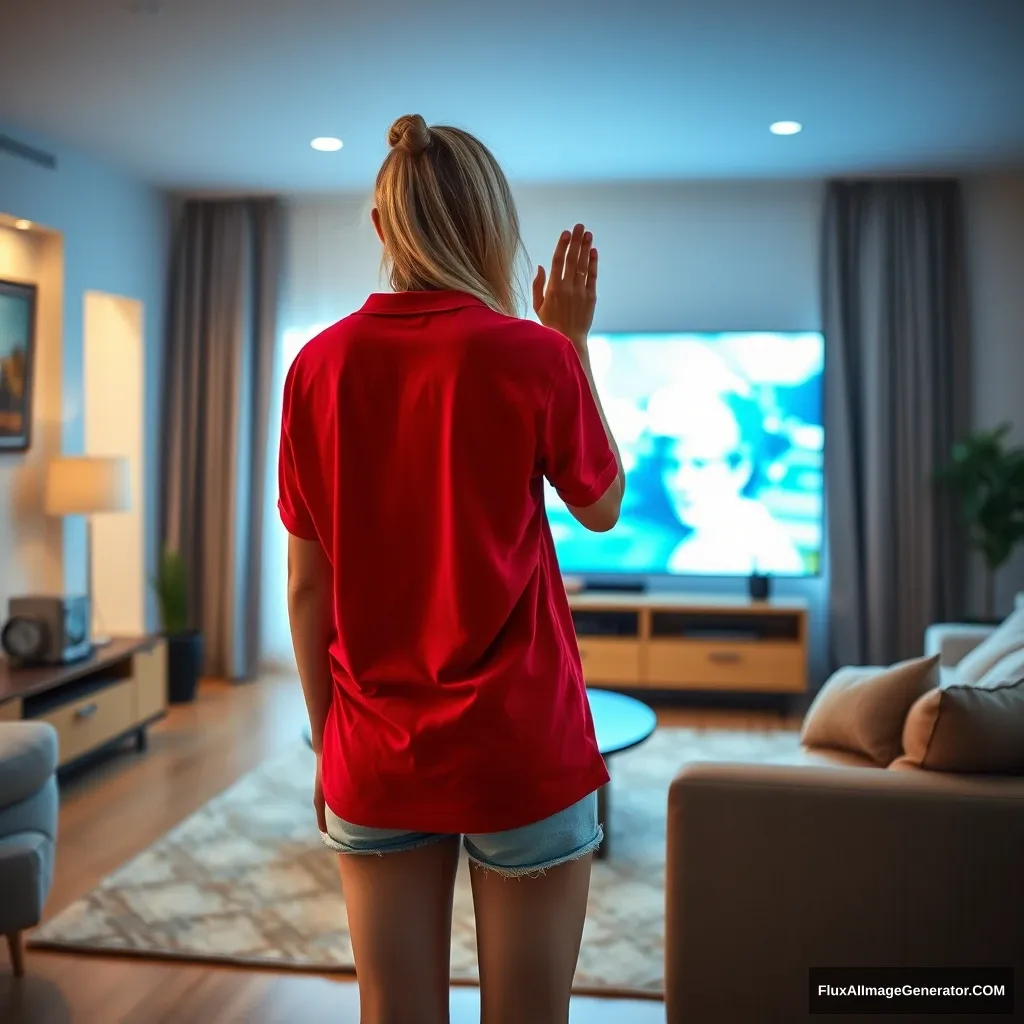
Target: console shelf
[(683, 642), (94, 703)]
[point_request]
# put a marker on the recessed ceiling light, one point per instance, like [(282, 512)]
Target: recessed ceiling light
[(327, 144), (786, 128), (23, 225)]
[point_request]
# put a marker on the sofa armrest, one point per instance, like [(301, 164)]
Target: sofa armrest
[(954, 641), (772, 870)]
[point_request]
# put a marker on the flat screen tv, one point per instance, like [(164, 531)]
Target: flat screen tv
[(722, 439)]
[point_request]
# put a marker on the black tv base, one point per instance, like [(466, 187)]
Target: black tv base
[(615, 586)]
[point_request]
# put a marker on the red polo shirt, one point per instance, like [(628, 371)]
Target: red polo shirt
[(415, 436)]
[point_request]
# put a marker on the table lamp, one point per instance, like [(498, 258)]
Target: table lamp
[(86, 486)]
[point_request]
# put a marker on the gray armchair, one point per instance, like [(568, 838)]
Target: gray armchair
[(28, 827)]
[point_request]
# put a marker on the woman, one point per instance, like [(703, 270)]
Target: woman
[(431, 628)]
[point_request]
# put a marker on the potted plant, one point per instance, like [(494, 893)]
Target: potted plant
[(988, 478), (184, 643)]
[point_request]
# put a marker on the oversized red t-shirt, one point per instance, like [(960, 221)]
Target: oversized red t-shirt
[(415, 437)]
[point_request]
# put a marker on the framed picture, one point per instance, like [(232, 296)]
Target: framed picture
[(17, 356)]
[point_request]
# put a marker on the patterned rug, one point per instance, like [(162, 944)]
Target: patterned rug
[(245, 880)]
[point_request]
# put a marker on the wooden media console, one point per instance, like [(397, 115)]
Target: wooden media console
[(686, 642), (95, 703)]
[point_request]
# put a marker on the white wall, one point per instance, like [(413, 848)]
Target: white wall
[(114, 405), (708, 255), (115, 239), (30, 542), (995, 235)]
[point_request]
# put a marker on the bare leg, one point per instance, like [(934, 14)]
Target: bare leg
[(529, 931), (400, 919)]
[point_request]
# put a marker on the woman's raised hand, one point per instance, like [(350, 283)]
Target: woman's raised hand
[(565, 298)]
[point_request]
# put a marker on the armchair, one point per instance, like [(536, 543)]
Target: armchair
[(28, 827)]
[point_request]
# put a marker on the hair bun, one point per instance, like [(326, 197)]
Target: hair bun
[(410, 134)]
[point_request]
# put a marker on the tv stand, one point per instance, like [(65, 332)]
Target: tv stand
[(94, 704), (695, 643)]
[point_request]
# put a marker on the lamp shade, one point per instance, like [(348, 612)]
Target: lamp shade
[(85, 485)]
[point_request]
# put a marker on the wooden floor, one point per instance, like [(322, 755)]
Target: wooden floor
[(124, 804)]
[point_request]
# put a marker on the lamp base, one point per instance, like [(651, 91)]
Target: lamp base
[(101, 641)]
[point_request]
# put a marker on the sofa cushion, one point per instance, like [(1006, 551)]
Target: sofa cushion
[(1007, 639), (1010, 667), (970, 727), (862, 711)]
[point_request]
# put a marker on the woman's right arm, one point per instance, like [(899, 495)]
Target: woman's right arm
[(588, 371), (578, 459)]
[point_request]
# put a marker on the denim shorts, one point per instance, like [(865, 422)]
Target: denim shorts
[(565, 836)]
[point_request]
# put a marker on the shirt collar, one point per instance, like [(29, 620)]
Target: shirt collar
[(409, 303)]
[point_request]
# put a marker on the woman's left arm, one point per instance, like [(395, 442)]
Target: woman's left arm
[(310, 614)]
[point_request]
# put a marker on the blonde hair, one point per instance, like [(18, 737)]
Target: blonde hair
[(447, 216)]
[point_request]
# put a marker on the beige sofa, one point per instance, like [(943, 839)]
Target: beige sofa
[(827, 860)]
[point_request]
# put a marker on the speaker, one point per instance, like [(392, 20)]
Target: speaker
[(759, 587), (46, 630)]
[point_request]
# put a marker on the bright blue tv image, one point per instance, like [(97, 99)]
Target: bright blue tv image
[(722, 440)]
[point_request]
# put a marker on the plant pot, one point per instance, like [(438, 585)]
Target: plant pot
[(184, 666)]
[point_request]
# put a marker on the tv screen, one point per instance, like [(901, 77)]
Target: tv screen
[(722, 441)]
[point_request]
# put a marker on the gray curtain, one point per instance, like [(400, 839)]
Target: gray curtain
[(896, 398), (221, 330)]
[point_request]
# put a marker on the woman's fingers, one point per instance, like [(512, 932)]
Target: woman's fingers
[(558, 259), (572, 256), (538, 290), (592, 275), (583, 260)]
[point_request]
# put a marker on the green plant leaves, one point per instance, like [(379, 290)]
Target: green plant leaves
[(171, 586), (988, 478)]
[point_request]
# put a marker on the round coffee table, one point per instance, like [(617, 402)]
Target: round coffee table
[(621, 723)]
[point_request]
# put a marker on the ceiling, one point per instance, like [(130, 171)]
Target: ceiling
[(224, 95)]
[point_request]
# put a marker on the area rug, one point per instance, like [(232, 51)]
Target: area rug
[(245, 880)]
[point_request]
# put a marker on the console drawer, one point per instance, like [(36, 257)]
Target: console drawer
[(92, 720), (707, 665), (609, 660)]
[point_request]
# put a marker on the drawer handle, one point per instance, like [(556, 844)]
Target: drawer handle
[(725, 657), (86, 712)]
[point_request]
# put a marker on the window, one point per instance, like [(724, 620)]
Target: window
[(276, 639)]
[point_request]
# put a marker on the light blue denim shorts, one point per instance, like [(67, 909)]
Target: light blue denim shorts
[(565, 836)]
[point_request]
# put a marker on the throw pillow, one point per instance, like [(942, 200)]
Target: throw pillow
[(1009, 637), (966, 727), (862, 710)]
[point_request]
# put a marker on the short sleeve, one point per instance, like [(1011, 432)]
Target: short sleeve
[(574, 451), (290, 503)]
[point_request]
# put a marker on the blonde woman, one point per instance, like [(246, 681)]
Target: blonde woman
[(430, 624)]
